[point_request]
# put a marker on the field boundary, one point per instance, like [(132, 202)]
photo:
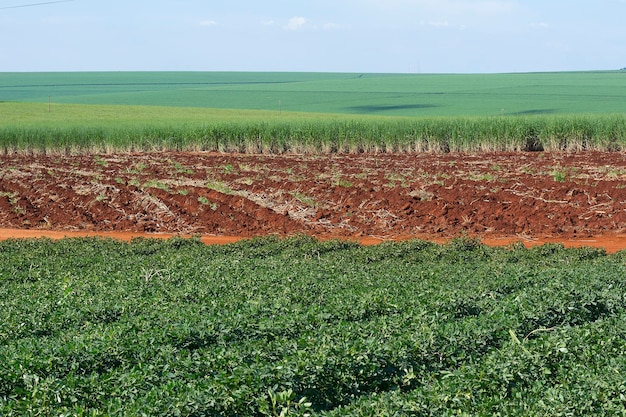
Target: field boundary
[(610, 243)]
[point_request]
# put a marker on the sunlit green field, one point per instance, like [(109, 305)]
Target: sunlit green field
[(296, 327), (302, 112), (372, 94), (75, 128)]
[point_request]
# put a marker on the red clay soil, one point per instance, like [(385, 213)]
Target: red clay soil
[(577, 199)]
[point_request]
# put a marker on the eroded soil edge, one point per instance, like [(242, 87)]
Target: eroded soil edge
[(531, 197)]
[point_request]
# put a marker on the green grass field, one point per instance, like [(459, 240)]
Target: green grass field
[(92, 327), (73, 128), (372, 94), (301, 112)]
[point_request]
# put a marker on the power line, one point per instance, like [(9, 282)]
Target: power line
[(35, 4)]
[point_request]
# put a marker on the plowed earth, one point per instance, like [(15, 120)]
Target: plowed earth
[(527, 196)]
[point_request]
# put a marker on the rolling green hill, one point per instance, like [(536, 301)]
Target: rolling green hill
[(311, 112), (372, 94)]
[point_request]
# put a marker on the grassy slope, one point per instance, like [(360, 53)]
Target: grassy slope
[(39, 115), (374, 94), (335, 112), (72, 128)]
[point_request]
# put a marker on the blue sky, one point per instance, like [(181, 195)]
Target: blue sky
[(398, 36)]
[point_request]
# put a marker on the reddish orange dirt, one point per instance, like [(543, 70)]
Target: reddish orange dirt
[(578, 199)]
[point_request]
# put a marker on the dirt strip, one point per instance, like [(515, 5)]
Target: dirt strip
[(611, 244), (578, 199)]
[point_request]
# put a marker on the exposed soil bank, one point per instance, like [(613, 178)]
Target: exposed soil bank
[(577, 199)]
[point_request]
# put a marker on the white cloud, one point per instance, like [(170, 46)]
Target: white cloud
[(296, 23), (268, 23), (540, 25), (332, 26), (207, 23)]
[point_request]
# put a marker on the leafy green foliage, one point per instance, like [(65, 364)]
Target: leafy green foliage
[(301, 327)]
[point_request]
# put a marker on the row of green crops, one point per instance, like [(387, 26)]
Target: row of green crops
[(295, 327), (101, 129)]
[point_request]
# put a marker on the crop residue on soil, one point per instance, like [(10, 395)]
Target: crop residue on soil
[(489, 195)]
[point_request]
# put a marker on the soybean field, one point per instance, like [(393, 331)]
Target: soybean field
[(275, 327)]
